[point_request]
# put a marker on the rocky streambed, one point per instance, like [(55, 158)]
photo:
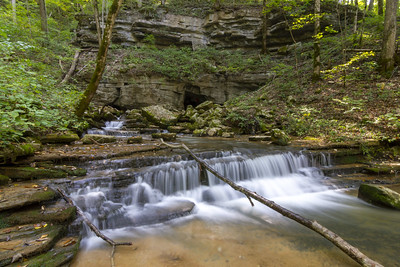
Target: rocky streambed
[(37, 226)]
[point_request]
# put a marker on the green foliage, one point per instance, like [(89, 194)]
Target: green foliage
[(184, 63), (31, 101)]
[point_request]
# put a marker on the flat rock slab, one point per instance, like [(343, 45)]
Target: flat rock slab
[(24, 195), (19, 242), (57, 213), (62, 252), (29, 173)]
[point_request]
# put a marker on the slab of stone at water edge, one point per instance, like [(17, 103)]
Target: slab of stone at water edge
[(379, 195), (24, 195), (62, 138), (29, 173), (19, 242), (62, 252), (98, 139), (161, 212)]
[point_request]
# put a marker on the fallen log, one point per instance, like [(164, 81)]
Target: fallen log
[(72, 68), (339, 242)]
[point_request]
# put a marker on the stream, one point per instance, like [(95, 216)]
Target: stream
[(177, 214)]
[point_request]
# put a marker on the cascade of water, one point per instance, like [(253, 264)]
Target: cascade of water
[(114, 128), (280, 175)]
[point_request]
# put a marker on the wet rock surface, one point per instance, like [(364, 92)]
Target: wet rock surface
[(379, 195)]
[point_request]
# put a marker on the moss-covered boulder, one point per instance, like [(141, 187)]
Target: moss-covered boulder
[(4, 179), (176, 129), (28, 240), (59, 138), (30, 173), (228, 135), (279, 137), (10, 153), (160, 116), (164, 136), (98, 139), (379, 195), (259, 138), (206, 105), (24, 195), (135, 140)]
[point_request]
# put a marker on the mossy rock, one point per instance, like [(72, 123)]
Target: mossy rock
[(59, 138), (279, 137), (206, 105), (30, 173), (383, 169), (98, 138), (200, 132), (28, 240), (176, 129), (135, 140), (228, 135), (379, 195), (4, 179), (160, 116), (62, 253), (259, 138), (164, 136), (56, 214), (16, 197), (10, 153)]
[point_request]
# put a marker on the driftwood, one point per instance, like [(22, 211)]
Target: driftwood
[(93, 227), (72, 69), (350, 250)]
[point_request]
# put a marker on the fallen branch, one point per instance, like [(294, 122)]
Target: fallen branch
[(350, 250), (93, 227), (72, 69)]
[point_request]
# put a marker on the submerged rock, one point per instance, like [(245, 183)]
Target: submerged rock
[(161, 212), (379, 195), (98, 138)]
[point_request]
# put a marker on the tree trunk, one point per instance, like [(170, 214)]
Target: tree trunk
[(97, 19), (355, 18), (14, 10), (371, 5), (389, 36), (100, 60), (380, 7), (317, 47), (43, 15), (339, 242), (264, 49)]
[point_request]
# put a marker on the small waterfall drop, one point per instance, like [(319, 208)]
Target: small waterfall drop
[(115, 128)]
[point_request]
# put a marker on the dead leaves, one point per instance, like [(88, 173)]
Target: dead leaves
[(69, 242)]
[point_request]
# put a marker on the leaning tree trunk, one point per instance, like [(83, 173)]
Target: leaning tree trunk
[(317, 47), (389, 36), (43, 15), (100, 61), (14, 10)]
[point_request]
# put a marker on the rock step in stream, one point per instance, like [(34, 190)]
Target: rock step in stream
[(34, 220)]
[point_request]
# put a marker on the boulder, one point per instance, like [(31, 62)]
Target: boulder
[(206, 105), (176, 129), (98, 138), (160, 116), (379, 195), (135, 140), (164, 136), (279, 137), (228, 135), (59, 138)]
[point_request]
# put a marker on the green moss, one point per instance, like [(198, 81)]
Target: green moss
[(28, 173), (4, 179), (62, 138), (44, 195), (379, 195), (36, 215)]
